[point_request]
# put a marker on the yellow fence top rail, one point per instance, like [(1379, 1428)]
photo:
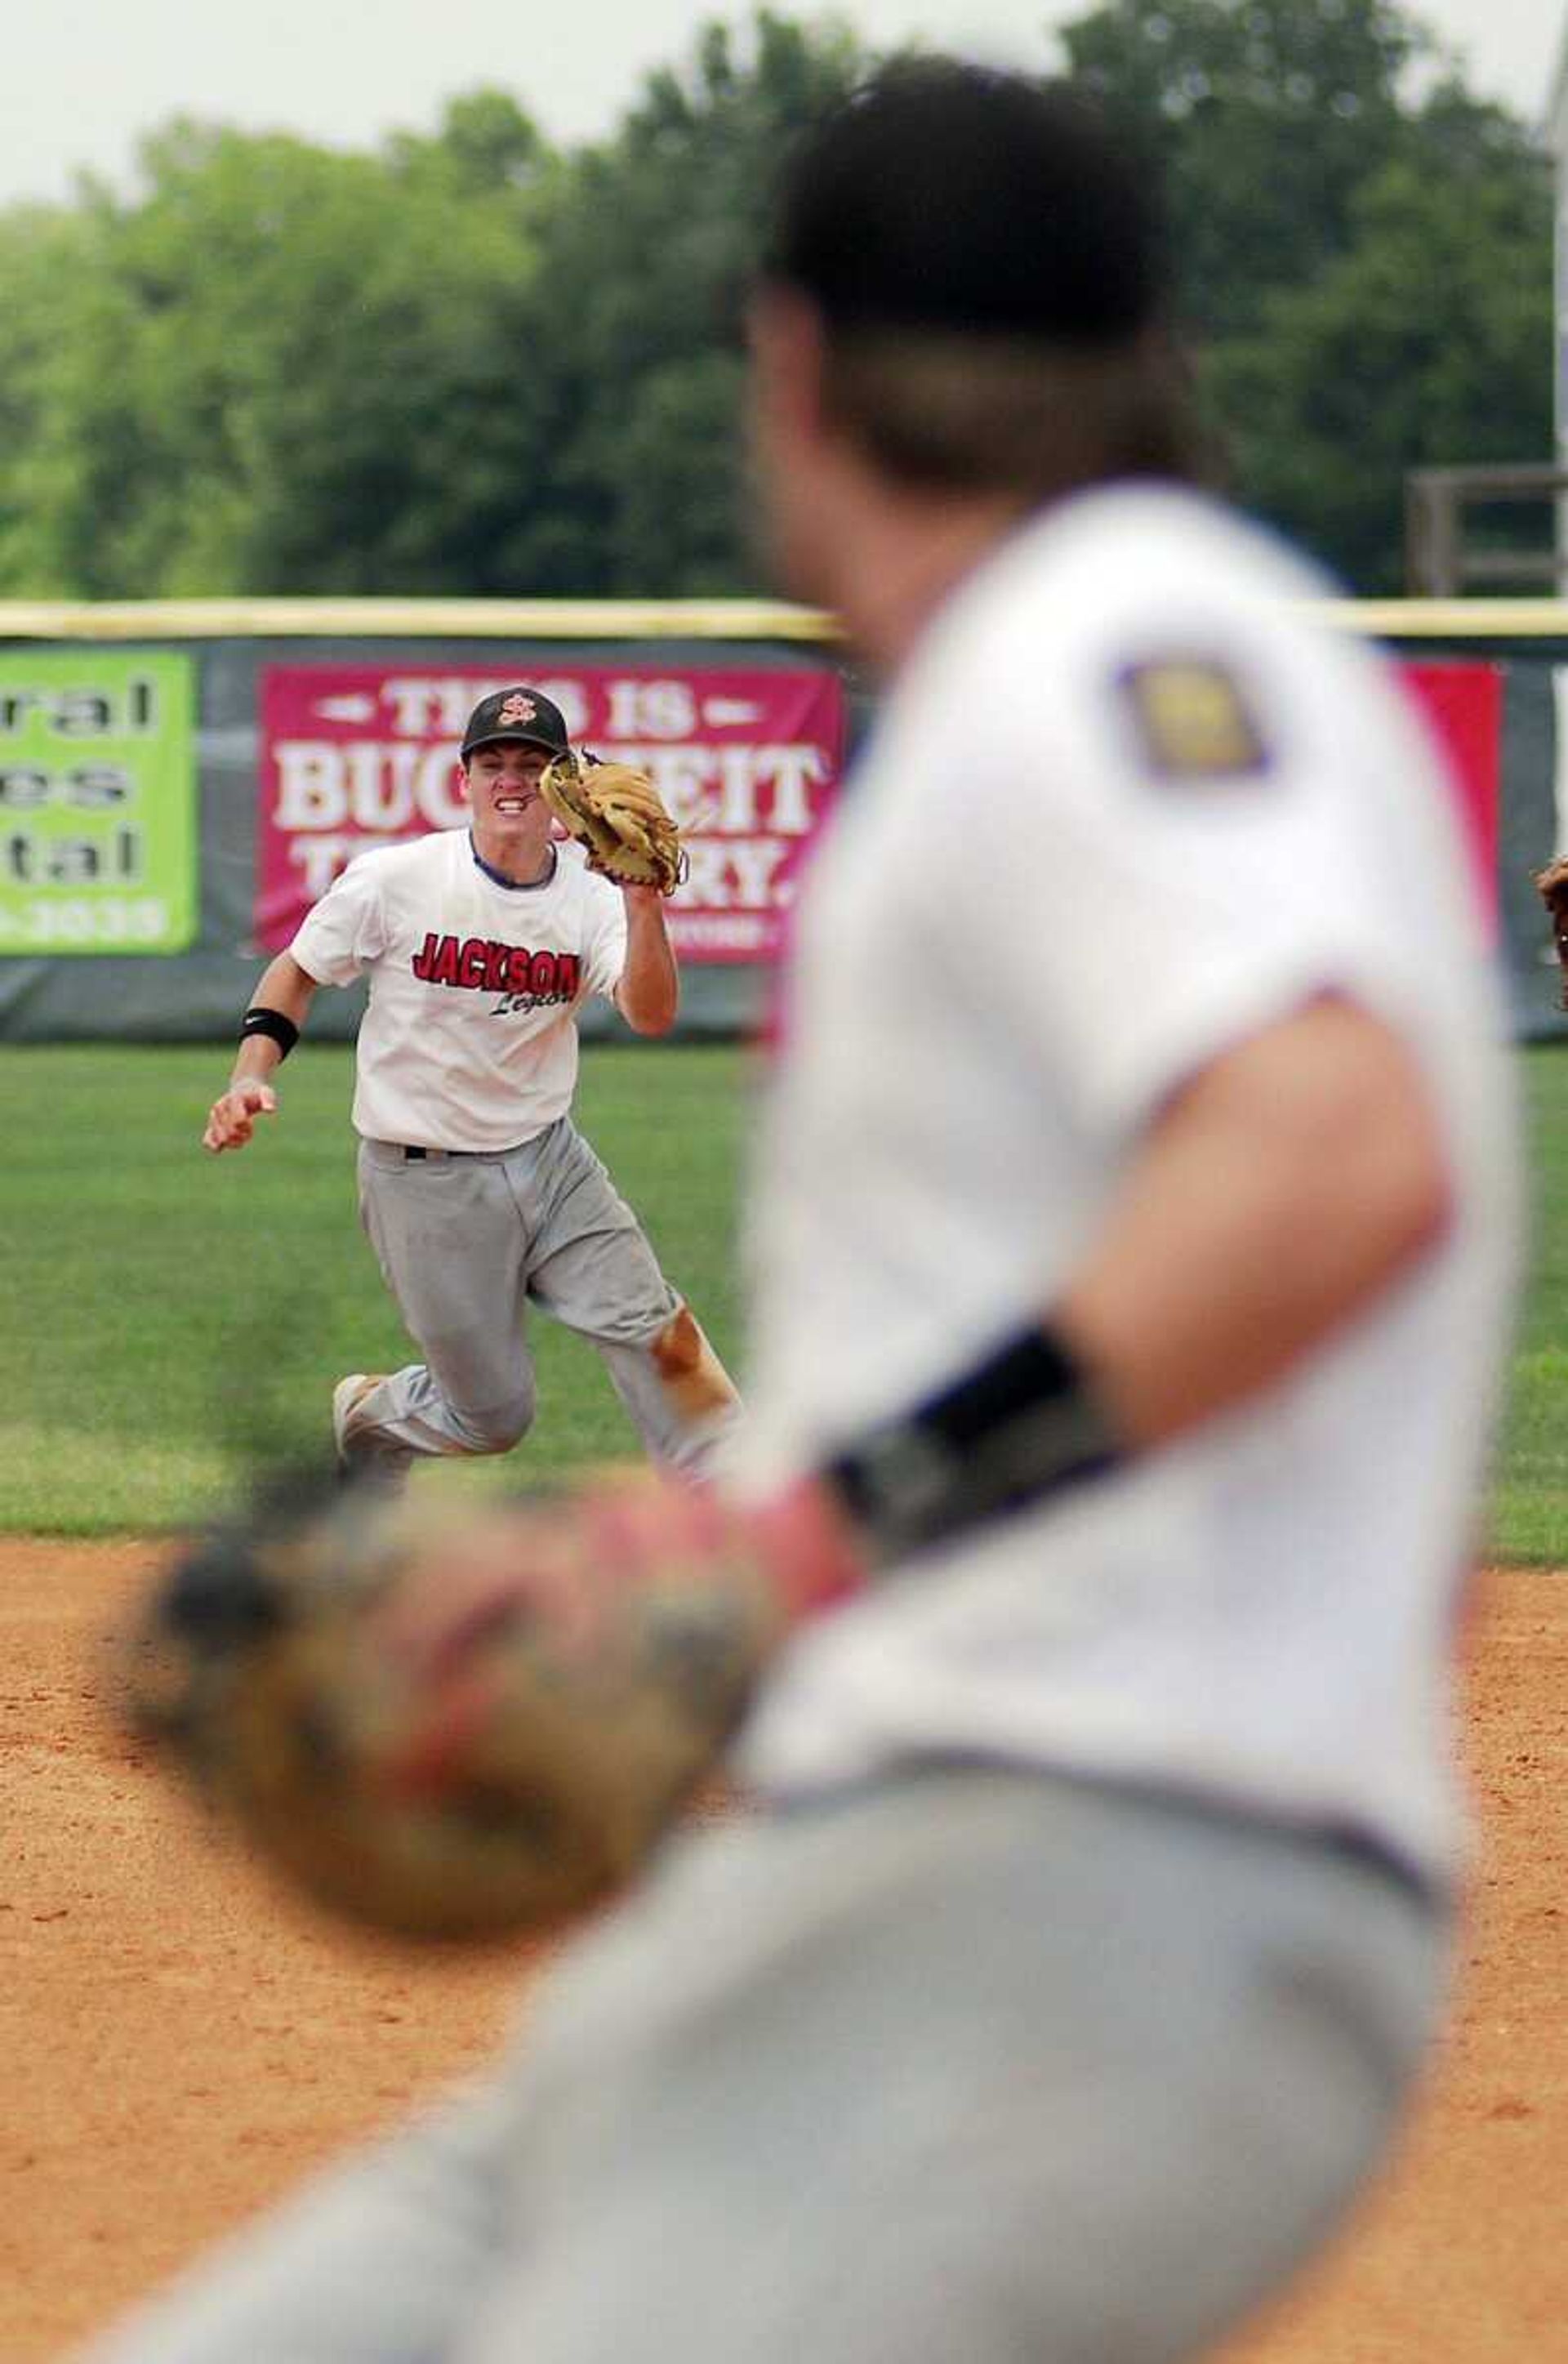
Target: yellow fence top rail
[(1454, 619), (640, 619), (499, 619)]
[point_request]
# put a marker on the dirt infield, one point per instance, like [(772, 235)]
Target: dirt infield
[(176, 2044)]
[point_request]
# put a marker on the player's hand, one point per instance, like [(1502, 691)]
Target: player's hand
[(567, 1567), (540, 1564), (231, 1120)]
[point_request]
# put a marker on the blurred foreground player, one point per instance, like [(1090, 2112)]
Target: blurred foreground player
[(1133, 1232)]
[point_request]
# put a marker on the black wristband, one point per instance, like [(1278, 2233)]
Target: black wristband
[(1016, 1427), (260, 1020)]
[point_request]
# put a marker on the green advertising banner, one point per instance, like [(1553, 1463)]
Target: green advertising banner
[(98, 802)]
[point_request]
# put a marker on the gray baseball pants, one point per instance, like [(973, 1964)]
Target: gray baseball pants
[(465, 1243), (972, 2067)]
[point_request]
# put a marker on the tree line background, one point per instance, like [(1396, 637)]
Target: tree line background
[(472, 362)]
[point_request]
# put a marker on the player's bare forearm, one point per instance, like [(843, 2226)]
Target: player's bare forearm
[(1284, 1189), (285, 988), (648, 994)]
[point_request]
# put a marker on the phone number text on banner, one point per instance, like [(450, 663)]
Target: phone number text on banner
[(746, 760)]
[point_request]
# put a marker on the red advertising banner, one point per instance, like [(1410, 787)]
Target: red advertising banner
[(746, 760), (1462, 702)]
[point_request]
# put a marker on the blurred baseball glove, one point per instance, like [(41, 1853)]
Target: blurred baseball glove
[(615, 812), (461, 1724), (1552, 886)]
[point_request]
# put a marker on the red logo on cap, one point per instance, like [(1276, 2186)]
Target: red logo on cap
[(517, 708)]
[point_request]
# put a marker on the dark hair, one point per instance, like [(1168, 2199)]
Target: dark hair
[(988, 257)]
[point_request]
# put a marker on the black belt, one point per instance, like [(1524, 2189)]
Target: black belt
[(412, 1154), (415, 1153)]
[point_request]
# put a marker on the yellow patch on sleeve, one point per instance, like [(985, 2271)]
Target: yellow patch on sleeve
[(1193, 719)]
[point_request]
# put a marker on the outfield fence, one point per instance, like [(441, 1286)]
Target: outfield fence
[(178, 780)]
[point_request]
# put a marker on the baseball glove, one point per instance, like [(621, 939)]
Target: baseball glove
[(1552, 884), (461, 1725), (616, 813)]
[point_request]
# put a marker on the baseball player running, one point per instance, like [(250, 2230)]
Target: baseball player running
[(1134, 1236), (478, 1193)]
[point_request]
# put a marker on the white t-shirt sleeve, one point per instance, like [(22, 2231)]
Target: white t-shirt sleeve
[(347, 929), (1140, 917)]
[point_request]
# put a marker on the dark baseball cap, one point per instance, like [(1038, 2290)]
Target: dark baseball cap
[(954, 197), (520, 713)]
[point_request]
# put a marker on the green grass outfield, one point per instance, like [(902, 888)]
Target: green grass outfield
[(170, 1321)]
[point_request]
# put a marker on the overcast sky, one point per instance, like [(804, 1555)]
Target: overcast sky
[(85, 78)]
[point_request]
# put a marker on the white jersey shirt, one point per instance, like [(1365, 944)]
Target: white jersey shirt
[(469, 1039), (1126, 806)]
